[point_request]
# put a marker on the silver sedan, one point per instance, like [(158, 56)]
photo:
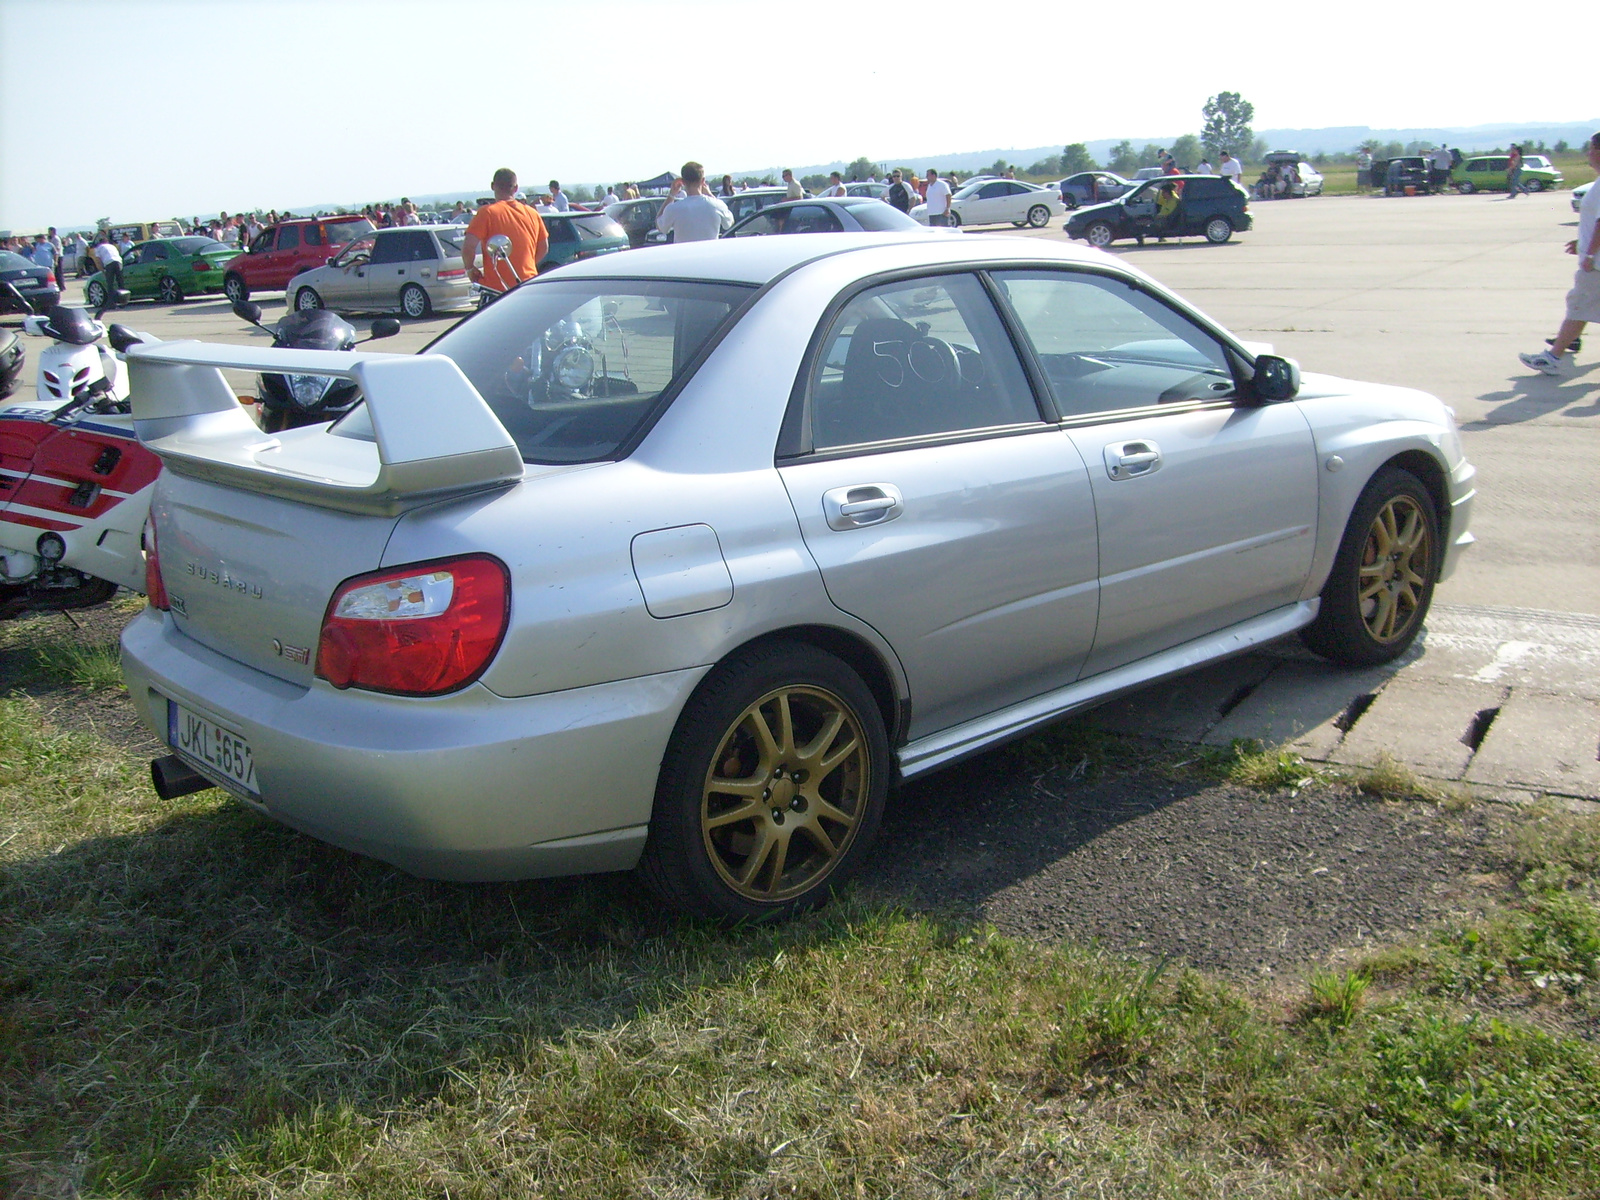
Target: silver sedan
[(682, 562)]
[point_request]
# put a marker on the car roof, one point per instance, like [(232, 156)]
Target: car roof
[(760, 260)]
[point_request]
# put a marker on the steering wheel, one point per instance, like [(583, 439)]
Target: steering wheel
[(933, 361)]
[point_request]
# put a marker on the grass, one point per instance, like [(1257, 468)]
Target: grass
[(194, 1002), (48, 650)]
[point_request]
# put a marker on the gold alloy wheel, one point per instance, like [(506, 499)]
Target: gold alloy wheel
[(785, 793), (1395, 566)]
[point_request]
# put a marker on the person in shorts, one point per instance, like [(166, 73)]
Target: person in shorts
[(1583, 301)]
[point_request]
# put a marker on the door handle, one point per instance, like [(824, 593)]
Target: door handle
[(1126, 460), (861, 505)]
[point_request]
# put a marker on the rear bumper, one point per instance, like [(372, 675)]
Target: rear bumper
[(471, 786)]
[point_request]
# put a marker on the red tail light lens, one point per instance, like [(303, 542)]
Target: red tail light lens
[(458, 273), (50, 278), (419, 630), (154, 589), (202, 266)]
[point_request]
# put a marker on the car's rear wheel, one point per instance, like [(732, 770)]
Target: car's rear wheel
[(1039, 216), (771, 789), (95, 293), (955, 217), (414, 301), (235, 289), (1378, 592), (1466, 187), (1218, 230), (307, 300), (170, 290), (1100, 234), (1534, 185)]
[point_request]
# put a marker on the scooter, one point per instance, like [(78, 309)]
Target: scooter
[(74, 481), (289, 401)]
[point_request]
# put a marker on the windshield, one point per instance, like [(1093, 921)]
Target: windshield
[(597, 226), (573, 369)]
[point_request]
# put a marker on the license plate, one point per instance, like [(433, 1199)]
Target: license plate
[(218, 752)]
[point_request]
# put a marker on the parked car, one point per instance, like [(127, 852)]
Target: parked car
[(1144, 173), (745, 203), (1209, 206), (638, 218), (1394, 175), (143, 231), (280, 252), (848, 214), (683, 560), (871, 187), (1487, 173), (1306, 180), (579, 235), (1578, 193), (1092, 187), (997, 201), (38, 285), (414, 269), (167, 269)]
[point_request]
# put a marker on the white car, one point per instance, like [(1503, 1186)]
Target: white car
[(996, 201), (1578, 193)]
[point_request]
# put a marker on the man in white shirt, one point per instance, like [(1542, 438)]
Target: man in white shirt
[(1439, 162), (1205, 168), (610, 198), (1583, 301), (1230, 167), (110, 260), (937, 199), (558, 198), (692, 213), (835, 185), (796, 192)]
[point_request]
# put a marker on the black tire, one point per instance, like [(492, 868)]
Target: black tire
[(1534, 185), (702, 837), (414, 301), (1100, 234), (235, 289), (1039, 216), (1466, 187), (1390, 552), (95, 294), (307, 300), (955, 218), (1218, 230), (170, 290)]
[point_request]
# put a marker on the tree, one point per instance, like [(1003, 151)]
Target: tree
[(1258, 150), (1122, 159), (1075, 158), (1046, 166), (1187, 151), (999, 167), (1560, 147), (861, 169), (1228, 116)]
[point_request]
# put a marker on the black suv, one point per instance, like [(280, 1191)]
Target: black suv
[(1209, 206)]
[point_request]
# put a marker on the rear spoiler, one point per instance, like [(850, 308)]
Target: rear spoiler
[(423, 433)]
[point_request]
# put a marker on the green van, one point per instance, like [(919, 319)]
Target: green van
[(1488, 174)]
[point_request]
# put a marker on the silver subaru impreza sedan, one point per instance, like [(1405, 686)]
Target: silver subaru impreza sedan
[(680, 561)]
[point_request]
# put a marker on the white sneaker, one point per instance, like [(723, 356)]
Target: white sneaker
[(1543, 361)]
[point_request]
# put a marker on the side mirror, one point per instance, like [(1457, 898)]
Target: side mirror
[(500, 246), (248, 311), (384, 327), (1275, 378)]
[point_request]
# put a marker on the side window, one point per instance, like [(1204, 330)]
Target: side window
[(990, 190), (153, 252), (811, 218), (1107, 346), (387, 249), (916, 358), (763, 223), (313, 235), (1015, 189), (289, 237), (263, 241)]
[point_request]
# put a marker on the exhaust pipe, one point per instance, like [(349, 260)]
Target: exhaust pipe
[(173, 777)]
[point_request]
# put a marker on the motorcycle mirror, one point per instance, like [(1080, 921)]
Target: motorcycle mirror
[(384, 327), (121, 337), (500, 245), (247, 311)]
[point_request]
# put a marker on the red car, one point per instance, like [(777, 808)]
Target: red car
[(282, 251)]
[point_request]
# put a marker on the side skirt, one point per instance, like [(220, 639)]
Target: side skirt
[(975, 736)]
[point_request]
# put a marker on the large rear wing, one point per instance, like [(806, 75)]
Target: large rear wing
[(423, 433)]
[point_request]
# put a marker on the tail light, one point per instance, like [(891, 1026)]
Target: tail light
[(154, 588), (202, 266), (458, 273), (49, 277), (419, 630)]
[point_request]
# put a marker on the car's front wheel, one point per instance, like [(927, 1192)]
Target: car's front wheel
[(235, 289), (1039, 216), (1533, 185), (414, 301), (171, 291), (307, 300), (771, 789), (955, 217), (1100, 234), (95, 293), (1378, 592), (1466, 187), (1218, 230)]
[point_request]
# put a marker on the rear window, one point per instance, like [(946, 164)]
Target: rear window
[(450, 239), (197, 245), (574, 369), (598, 226), (13, 262), (881, 218), (341, 232)]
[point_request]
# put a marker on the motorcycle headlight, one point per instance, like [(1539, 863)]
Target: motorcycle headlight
[(574, 368), (308, 390)]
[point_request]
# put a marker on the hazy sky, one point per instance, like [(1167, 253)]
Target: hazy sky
[(213, 104)]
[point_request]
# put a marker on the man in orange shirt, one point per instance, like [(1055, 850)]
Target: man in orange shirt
[(516, 220)]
